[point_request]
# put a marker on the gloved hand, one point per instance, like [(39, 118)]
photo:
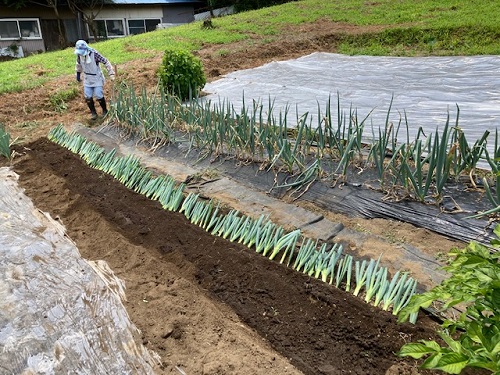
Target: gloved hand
[(78, 76), (112, 77)]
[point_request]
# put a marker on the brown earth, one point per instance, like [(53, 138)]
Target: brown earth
[(208, 306)]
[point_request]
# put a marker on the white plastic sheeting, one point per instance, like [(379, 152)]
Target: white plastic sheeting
[(426, 88), (59, 314)]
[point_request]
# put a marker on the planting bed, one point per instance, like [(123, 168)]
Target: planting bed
[(193, 295), (173, 270)]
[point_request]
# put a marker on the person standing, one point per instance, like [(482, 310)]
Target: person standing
[(87, 62)]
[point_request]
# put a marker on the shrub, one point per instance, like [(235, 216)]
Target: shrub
[(472, 339), (181, 73)]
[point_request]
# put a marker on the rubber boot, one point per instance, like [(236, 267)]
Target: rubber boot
[(102, 102), (93, 113)]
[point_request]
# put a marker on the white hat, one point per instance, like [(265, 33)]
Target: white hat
[(81, 48)]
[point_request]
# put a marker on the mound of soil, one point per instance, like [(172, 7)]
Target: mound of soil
[(173, 270)]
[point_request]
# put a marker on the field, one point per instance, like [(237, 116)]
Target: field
[(206, 305)]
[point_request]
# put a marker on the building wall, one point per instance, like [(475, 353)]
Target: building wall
[(178, 13), (169, 14), (34, 11), (28, 46), (130, 12), (48, 27)]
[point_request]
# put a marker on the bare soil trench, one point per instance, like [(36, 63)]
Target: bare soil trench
[(194, 295)]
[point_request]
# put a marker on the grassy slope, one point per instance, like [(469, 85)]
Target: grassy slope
[(411, 27)]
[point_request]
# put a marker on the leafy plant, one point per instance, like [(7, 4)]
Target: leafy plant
[(473, 338), (181, 73), (4, 142)]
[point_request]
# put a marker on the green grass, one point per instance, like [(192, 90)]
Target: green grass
[(59, 99), (403, 28)]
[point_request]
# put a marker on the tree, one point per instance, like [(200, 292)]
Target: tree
[(88, 10)]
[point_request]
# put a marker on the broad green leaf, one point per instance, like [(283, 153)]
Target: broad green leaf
[(486, 364), (432, 344), (453, 344), (452, 363), (484, 276), (496, 345), (475, 333), (416, 350), (432, 361), (473, 261)]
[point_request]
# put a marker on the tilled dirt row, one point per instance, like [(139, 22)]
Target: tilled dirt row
[(320, 329)]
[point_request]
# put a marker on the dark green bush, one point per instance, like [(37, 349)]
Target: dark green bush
[(181, 73)]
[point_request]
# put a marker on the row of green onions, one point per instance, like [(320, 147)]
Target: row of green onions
[(323, 261), (127, 170), (417, 169)]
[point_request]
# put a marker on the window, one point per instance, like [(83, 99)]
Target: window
[(109, 28), (142, 26), (17, 29)]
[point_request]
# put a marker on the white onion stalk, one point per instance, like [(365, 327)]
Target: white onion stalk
[(176, 199), (212, 220), (196, 213), (311, 263), (332, 262), (242, 228), (206, 214), (306, 249), (365, 275), (76, 143), (263, 238), (374, 281), (344, 268), (321, 261), (393, 289), (188, 204), (107, 161), (360, 274), (91, 153), (290, 249), (287, 241), (349, 273), (160, 184), (143, 181), (137, 179), (275, 234), (382, 288), (249, 235), (325, 263), (340, 272), (166, 192), (228, 223), (404, 296), (151, 187), (219, 222)]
